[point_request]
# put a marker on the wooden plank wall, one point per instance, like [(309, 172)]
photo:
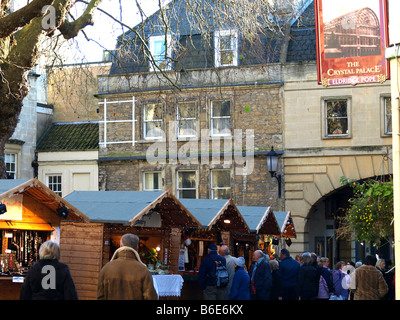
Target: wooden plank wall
[(81, 246), (175, 245)]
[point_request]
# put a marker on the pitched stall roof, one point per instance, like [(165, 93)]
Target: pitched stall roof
[(70, 136), (261, 219), (213, 212), (135, 208), (40, 192), (286, 224)]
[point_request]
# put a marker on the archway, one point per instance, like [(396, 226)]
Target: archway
[(313, 181), (323, 221)]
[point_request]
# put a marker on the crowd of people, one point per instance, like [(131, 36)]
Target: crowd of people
[(307, 277)]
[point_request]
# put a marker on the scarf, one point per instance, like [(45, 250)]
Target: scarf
[(255, 267)]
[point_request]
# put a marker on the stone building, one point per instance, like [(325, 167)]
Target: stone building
[(20, 148), (320, 148), (67, 150), (143, 118), (223, 119)]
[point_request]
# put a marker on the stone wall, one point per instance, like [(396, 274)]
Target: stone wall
[(71, 90), (314, 163), (256, 106)]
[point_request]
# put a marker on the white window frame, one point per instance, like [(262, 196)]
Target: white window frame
[(212, 117), (148, 121), (51, 185), (168, 60), (144, 180), (8, 156), (178, 120), (325, 120), (386, 132), (218, 188), (178, 188), (217, 52)]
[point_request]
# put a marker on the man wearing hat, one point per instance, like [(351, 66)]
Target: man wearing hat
[(207, 274)]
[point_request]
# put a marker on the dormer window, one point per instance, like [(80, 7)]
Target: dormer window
[(161, 50), (226, 48)]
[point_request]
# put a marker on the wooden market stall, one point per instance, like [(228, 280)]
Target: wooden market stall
[(33, 215), (221, 223), (156, 217), (286, 224), (263, 223)]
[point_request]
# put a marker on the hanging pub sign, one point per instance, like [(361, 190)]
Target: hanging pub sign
[(351, 40)]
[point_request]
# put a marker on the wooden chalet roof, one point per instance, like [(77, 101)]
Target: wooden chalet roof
[(261, 219), (41, 193), (222, 214), (286, 224), (135, 208), (70, 136)]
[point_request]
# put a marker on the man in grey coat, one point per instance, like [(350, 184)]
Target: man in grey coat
[(230, 267)]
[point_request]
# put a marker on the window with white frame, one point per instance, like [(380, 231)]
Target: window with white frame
[(387, 102), (186, 184), (186, 116), (226, 48), (337, 117), (54, 182), (220, 118), (10, 160), (152, 121), (220, 184), (161, 50), (152, 181)]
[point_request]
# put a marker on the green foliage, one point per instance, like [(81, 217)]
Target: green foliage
[(370, 213), (247, 108)]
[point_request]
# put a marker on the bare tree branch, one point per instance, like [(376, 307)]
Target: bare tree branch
[(71, 29), (22, 17)]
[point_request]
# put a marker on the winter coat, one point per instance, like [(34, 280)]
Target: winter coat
[(288, 270), (230, 267), (262, 278), (125, 277), (276, 290), (33, 288), (240, 289), (339, 278), (308, 282), (389, 281), (208, 269), (325, 288), (367, 283)]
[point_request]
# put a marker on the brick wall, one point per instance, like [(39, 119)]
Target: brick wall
[(256, 107)]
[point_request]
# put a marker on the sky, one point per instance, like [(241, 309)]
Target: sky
[(105, 31)]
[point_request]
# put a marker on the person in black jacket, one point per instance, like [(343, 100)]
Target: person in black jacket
[(260, 277), (276, 290), (207, 274), (49, 279), (308, 280)]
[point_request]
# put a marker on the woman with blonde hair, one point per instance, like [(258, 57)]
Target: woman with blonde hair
[(49, 279), (276, 290)]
